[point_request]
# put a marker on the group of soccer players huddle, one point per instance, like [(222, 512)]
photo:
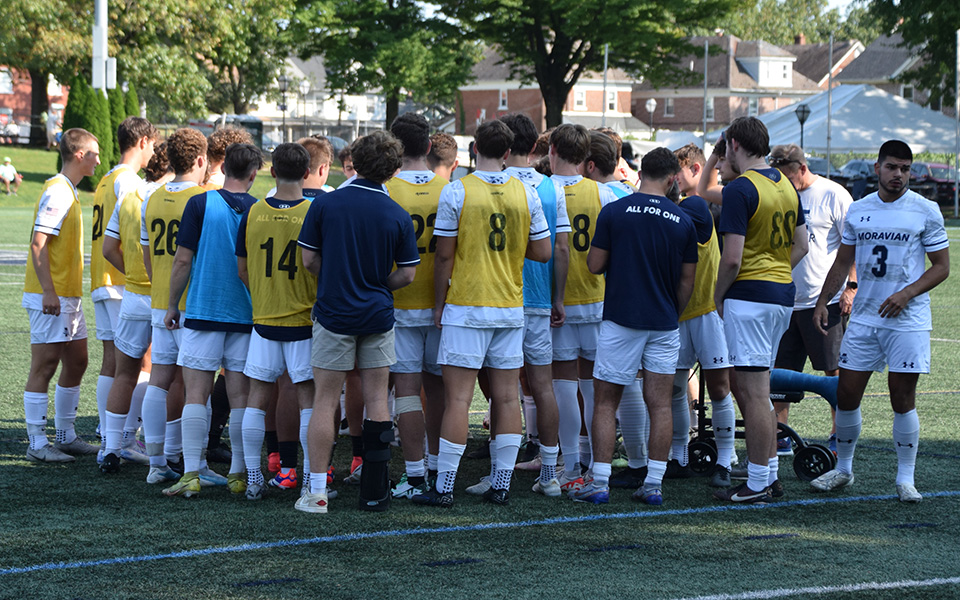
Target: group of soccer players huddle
[(604, 294)]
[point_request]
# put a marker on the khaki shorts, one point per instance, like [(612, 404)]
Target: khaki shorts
[(336, 352)]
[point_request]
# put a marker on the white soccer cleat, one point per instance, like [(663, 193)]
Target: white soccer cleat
[(161, 475), (480, 488), (551, 488), (908, 493), (832, 480)]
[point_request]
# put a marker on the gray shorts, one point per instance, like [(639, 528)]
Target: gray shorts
[(802, 340), (336, 352)]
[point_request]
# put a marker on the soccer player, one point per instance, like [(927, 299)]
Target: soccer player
[(647, 247), (764, 237), (218, 316), (575, 341), (540, 293), (601, 163), (887, 234), (417, 190), (136, 137), (352, 239), (345, 156), (442, 158), (281, 291), (51, 295), (825, 204), (487, 222), (217, 151), (701, 334)]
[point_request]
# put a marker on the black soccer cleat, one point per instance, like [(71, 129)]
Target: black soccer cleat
[(110, 464), (495, 496), (434, 498)]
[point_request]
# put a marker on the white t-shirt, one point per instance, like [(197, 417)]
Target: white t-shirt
[(825, 204), (892, 240), (170, 187), (532, 177), (448, 225)]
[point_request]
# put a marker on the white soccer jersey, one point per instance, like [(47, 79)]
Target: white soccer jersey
[(892, 239), (825, 205)]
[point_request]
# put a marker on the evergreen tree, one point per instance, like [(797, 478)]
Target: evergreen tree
[(74, 114), (100, 126), (118, 112), (132, 101)]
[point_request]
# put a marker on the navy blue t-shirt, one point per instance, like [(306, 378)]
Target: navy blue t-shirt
[(740, 202), (360, 233), (698, 211), (648, 238)]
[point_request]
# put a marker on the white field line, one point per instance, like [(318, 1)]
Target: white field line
[(832, 589)]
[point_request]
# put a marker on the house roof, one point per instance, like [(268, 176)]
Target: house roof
[(760, 49), (492, 67), (882, 61), (813, 59), (313, 70)]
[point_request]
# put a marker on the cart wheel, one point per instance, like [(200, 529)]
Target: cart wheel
[(812, 461), (703, 457)]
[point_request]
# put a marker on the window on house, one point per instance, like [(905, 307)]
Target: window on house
[(668, 107), (907, 92), (710, 113), (753, 107), (579, 100), (786, 72), (611, 101), (6, 82), (503, 100)]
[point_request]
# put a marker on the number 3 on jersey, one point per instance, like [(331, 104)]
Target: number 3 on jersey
[(288, 259), (782, 225)]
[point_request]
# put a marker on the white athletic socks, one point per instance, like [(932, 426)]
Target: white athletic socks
[(318, 483), (508, 444), (848, 431), (774, 465), (586, 390), (601, 474), (135, 414), (757, 476), (253, 432), (432, 460), (634, 424), (65, 402), (173, 440), (723, 418), (154, 417), (681, 419), (548, 462), (569, 409), (104, 383), (236, 440), (586, 452), (35, 409), (530, 418), (493, 457), (448, 461), (305, 415), (114, 436), (414, 468), (193, 424), (655, 471), (906, 438)]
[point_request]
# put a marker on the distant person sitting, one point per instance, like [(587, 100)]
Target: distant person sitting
[(9, 175)]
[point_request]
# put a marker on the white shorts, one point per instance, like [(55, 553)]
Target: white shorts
[(537, 340), (575, 340), (106, 312), (133, 331), (48, 329), (866, 348), (210, 350), (417, 349), (166, 345), (622, 351), (753, 331), (702, 338), (473, 348), (268, 359)]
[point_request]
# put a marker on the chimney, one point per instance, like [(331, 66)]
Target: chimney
[(800, 39)]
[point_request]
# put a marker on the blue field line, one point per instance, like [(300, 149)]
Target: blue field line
[(349, 537)]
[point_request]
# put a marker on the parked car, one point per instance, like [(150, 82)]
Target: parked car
[(934, 180), (861, 179), (818, 166)]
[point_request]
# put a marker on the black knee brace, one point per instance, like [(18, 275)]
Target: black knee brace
[(374, 478)]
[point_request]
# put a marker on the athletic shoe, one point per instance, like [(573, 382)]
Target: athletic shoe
[(434, 498), (344, 429), (495, 496), (592, 494), (273, 462), (720, 477), (209, 477), (48, 454), (110, 464), (78, 447), (832, 443), (219, 454), (908, 493), (161, 475), (188, 486), (254, 492), (130, 454), (570, 485), (481, 452), (550, 489), (330, 475), (236, 483), (284, 482), (404, 489), (832, 480), (480, 488), (652, 497), (312, 503), (784, 447), (677, 471), (356, 468), (628, 478), (176, 466), (530, 465), (739, 471), (741, 494), (528, 452), (776, 489), (100, 455), (620, 459)]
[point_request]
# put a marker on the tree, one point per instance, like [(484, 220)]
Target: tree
[(555, 41), (779, 21), (387, 44), (929, 28), (118, 112), (100, 126), (131, 102)]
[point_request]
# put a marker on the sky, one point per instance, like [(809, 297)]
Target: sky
[(841, 5)]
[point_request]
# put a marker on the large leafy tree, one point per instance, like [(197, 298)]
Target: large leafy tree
[(930, 28), (779, 21), (555, 41), (390, 45)]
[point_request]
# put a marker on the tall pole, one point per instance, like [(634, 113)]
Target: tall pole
[(956, 112), (99, 70), (829, 106), (606, 55), (706, 57)]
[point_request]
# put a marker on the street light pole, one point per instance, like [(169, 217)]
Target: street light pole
[(802, 112), (304, 90), (651, 106), (282, 83)]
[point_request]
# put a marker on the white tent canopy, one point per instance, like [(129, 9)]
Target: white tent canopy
[(863, 118)]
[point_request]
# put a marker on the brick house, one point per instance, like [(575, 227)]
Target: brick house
[(15, 90), (813, 59)]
